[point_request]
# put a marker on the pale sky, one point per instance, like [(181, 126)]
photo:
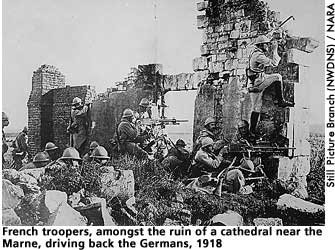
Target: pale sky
[(96, 42)]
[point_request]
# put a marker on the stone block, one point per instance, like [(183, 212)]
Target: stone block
[(229, 218), (202, 6), (228, 26), (285, 168), (10, 174), (65, 215), (10, 218), (234, 34), (26, 178), (37, 173), (301, 165), (289, 201), (53, 199), (118, 183), (204, 50), (297, 56), (306, 44), (200, 63), (231, 64), (268, 222), (11, 195), (201, 21), (216, 67)]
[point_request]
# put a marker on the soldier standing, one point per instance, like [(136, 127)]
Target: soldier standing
[(79, 125), (5, 123), (20, 148), (260, 81)]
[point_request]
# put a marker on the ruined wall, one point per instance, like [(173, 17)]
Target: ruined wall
[(49, 107), (50, 101), (44, 79), (229, 29)]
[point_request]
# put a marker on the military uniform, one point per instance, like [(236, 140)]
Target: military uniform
[(233, 180), (128, 139), (242, 139), (80, 125), (177, 160), (258, 62), (4, 145), (204, 163), (20, 149)]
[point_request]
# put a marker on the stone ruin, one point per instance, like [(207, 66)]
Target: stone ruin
[(229, 27)]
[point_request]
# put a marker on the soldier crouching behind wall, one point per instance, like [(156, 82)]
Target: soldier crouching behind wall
[(177, 160), (205, 161), (128, 136)]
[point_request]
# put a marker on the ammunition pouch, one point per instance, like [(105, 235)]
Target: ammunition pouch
[(252, 76)]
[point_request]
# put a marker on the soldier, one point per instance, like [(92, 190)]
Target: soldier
[(87, 156), (128, 136), (51, 151), (243, 134), (233, 179), (100, 155), (144, 110), (205, 161), (260, 81), (79, 125), (141, 115), (5, 123), (20, 148), (70, 157), (40, 160), (177, 159), (209, 131)]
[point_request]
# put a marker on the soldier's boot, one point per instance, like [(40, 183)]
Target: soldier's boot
[(280, 96), (253, 122)]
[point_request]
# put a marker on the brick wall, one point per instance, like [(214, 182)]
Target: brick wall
[(229, 28), (44, 79)]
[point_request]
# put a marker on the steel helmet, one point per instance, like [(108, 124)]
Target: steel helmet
[(93, 145), (242, 124), (207, 142), (76, 101), (181, 143), (40, 157), (50, 146), (70, 154), (262, 39), (100, 153), (25, 129), (210, 120), (127, 113), (144, 102), (247, 165)]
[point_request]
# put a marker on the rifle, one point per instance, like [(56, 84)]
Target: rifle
[(255, 178), (223, 171), (162, 122), (180, 153)]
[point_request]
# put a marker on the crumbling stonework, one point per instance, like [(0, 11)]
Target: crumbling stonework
[(229, 28), (50, 101)]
